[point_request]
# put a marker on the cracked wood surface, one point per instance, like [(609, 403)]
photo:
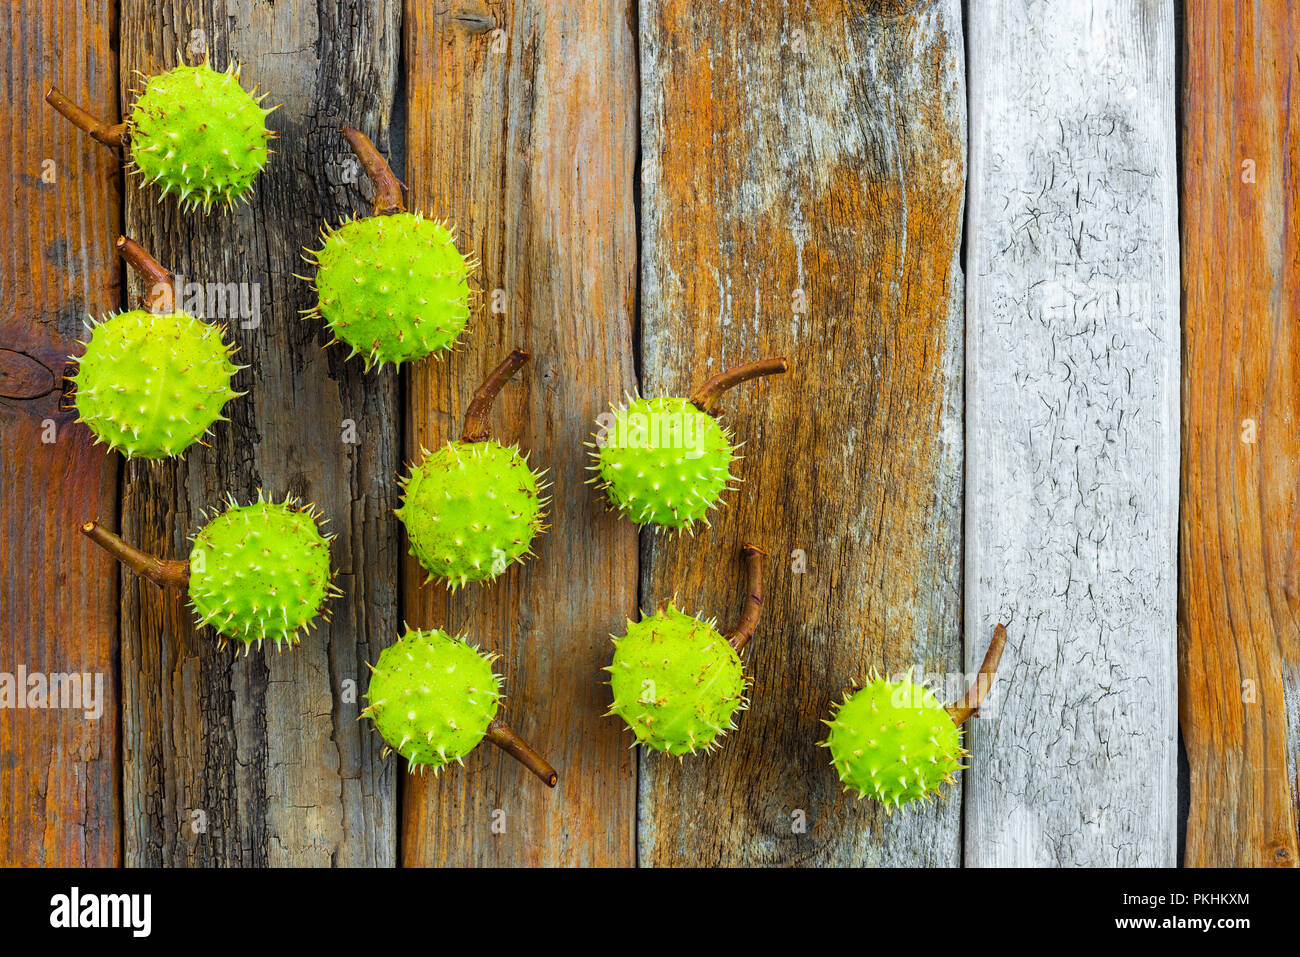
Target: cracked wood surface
[(802, 192), (522, 130), (260, 760), (59, 771), (1072, 444), (1239, 673)]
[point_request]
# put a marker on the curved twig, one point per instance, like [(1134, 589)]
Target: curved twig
[(162, 572), (707, 396), (505, 738), (970, 703), (747, 623), (159, 294), (388, 188), (110, 134), (477, 426)]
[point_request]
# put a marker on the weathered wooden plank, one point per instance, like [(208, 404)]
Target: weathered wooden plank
[(802, 192), (59, 776), (265, 754), (522, 130), (1072, 440), (1239, 598)]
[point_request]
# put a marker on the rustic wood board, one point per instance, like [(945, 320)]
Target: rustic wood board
[(812, 155), (1240, 587), (60, 781), (522, 130), (1072, 442), (261, 761)]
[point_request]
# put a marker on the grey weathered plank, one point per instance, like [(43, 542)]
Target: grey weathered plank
[(59, 777), (810, 154), (1072, 431), (266, 748), (522, 131)]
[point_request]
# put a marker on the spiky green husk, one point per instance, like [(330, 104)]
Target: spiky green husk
[(893, 742), (394, 287), (677, 683), (663, 462), (432, 697), (150, 385), (470, 510), (199, 134), (260, 572)]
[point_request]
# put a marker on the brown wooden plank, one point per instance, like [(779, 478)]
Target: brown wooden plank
[(265, 752), (522, 130), (59, 775), (790, 154), (1240, 572)]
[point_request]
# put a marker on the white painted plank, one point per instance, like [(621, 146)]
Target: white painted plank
[(1073, 431)]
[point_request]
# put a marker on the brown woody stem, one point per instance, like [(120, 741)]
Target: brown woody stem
[(504, 737), (158, 289), (110, 134), (747, 623), (160, 571), (388, 188), (970, 703), (477, 427), (707, 396)]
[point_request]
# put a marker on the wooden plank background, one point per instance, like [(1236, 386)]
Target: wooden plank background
[(657, 192), (59, 773), (1072, 411), (522, 130), (261, 761), (770, 226), (1240, 638)]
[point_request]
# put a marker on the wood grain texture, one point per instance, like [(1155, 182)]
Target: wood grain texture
[(265, 753), (1072, 442), (59, 777), (522, 130), (791, 154), (1240, 585)]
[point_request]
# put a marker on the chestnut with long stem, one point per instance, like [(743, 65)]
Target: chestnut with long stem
[(477, 426), (110, 134), (743, 630), (163, 572), (388, 188), (969, 705), (708, 396)]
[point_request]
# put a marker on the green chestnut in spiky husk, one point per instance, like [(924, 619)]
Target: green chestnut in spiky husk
[(193, 131), (893, 741), (667, 461), (199, 134), (258, 572), (393, 286), (677, 682), (433, 697), (152, 383), (473, 507)]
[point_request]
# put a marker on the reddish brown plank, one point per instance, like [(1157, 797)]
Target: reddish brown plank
[(522, 129), (1240, 572), (59, 774)]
